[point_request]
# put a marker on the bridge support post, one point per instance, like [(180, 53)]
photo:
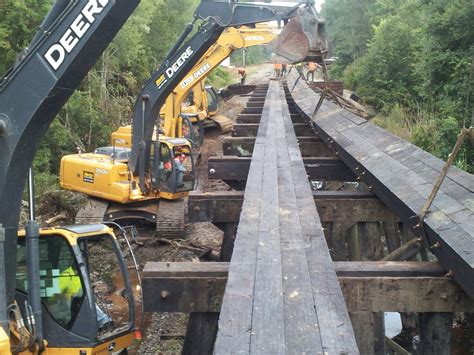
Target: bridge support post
[(201, 333), (230, 232), (365, 243), (436, 333), (369, 331), (202, 326)]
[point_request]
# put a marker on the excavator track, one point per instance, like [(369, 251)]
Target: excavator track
[(170, 221), (92, 212), (169, 216), (225, 124)]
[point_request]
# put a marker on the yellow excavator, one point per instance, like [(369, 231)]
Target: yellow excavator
[(203, 101), (86, 296), (201, 110), (105, 175)]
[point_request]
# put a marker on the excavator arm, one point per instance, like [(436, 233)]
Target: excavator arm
[(230, 40), (69, 42)]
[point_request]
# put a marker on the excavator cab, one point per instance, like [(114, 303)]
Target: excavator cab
[(177, 173), (86, 293)]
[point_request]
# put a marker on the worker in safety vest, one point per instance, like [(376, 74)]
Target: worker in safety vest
[(242, 75), (299, 69), (312, 66), (70, 286), (277, 67)]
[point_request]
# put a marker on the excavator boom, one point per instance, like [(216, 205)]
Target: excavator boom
[(229, 41)]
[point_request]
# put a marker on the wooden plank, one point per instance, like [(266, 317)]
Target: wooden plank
[(392, 235), (333, 206), (388, 269), (436, 333), (200, 334), (252, 110), (301, 321), (219, 207), (402, 176), (230, 232), (353, 210), (250, 129), (336, 333), (268, 317), (245, 130), (236, 311), (412, 294)]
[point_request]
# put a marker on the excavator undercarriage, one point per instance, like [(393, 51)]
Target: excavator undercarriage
[(168, 215)]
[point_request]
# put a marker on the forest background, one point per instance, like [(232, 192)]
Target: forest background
[(408, 59), (412, 61)]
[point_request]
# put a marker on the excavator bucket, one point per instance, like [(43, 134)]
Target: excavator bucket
[(302, 39)]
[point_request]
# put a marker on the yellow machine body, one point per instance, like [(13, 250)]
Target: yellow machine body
[(4, 343), (122, 342), (109, 179), (72, 236)]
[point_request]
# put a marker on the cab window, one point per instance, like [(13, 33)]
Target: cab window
[(108, 284), (183, 164), (166, 165), (61, 286)]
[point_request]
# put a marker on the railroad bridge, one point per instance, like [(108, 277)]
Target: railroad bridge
[(321, 236)]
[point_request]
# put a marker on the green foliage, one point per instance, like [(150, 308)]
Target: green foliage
[(254, 55), (106, 97), (219, 78), (410, 60), (18, 22), (349, 29)]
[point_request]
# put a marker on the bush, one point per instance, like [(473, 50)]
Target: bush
[(219, 78)]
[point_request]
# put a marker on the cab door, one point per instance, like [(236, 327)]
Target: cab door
[(212, 100), (194, 132)]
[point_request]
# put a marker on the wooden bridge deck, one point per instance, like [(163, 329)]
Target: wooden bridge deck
[(402, 175), (282, 294)]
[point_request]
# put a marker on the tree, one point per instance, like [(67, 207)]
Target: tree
[(18, 22)]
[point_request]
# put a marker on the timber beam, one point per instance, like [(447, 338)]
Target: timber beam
[(256, 104), (255, 118), (251, 129), (252, 110), (248, 118), (243, 147), (333, 206), (367, 287), (237, 169)]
